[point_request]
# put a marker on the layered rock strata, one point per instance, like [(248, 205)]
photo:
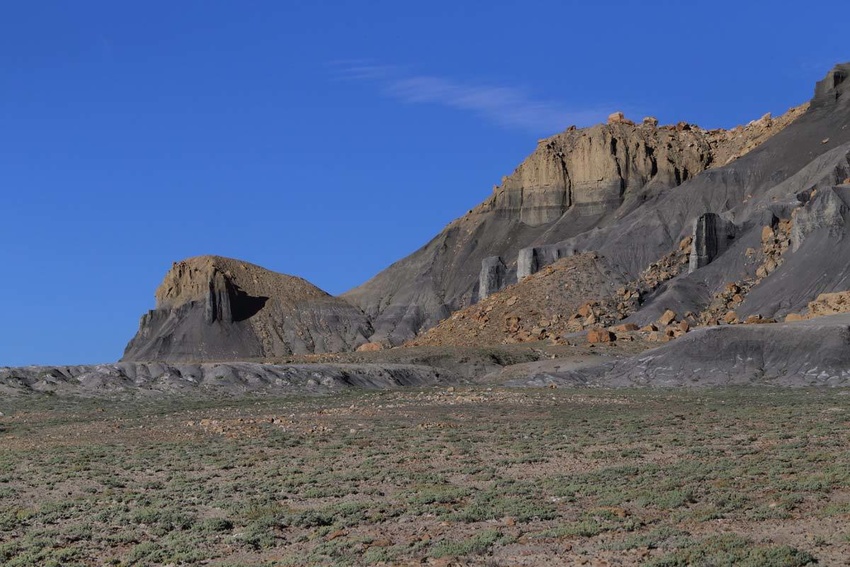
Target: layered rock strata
[(214, 308), (552, 206)]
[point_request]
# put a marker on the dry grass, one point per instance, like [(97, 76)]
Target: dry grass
[(472, 476)]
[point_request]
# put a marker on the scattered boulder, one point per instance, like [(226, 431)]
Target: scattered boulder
[(595, 336), (830, 304), (667, 317), (658, 337), (619, 118), (586, 310)]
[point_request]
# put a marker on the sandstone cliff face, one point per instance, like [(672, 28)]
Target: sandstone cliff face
[(592, 169), (210, 308)]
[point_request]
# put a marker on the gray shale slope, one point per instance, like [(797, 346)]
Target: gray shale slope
[(815, 352), (129, 379)]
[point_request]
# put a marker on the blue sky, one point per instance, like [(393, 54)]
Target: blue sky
[(325, 139)]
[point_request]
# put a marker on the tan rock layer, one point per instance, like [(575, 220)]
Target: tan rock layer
[(595, 167), (189, 280)]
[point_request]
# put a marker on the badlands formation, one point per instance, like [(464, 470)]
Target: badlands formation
[(726, 244)]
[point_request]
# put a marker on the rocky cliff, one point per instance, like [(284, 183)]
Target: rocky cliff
[(766, 232), (213, 308), (572, 185)]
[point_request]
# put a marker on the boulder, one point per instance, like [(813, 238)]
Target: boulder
[(586, 310), (658, 337), (595, 336), (667, 317), (619, 118)]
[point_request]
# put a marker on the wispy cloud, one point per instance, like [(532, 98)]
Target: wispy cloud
[(508, 106)]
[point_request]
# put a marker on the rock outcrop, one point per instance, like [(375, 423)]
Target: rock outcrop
[(213, 308), (494, 276), (592, 169), (712, 236), (827, 89), (825, 209)]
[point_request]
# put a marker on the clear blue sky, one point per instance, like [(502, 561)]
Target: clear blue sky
[(325, 139)]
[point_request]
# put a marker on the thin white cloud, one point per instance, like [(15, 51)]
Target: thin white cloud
[(510, 107)]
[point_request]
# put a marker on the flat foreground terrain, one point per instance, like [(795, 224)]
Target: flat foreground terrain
[(465, 476)]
